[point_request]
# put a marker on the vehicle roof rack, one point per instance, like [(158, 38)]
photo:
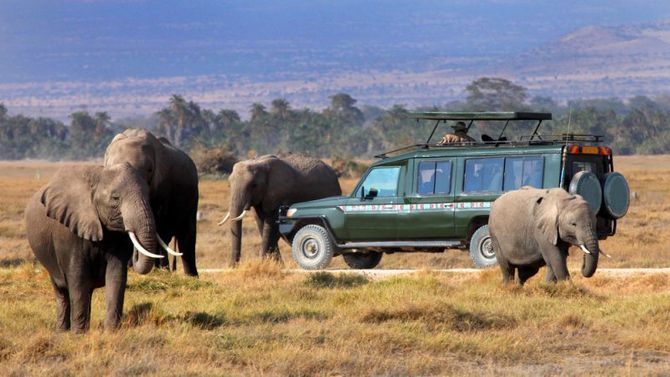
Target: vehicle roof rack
[(507, 116), (485, 115), (524, 140)]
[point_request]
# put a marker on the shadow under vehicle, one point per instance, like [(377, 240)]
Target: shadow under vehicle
[(430, 197)]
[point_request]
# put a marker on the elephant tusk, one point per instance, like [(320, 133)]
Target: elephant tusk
[(605, 254), (141, 249), (585, 250), (240, 216), (167, 248), (224, 219)]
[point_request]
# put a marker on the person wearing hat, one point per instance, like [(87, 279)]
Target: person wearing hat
[(460, 135)]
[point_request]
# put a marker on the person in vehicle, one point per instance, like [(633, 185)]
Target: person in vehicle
[(460, 135)]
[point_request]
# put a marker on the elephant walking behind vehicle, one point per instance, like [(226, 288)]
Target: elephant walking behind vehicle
[(82, 227), (172, 179), (531, 228), (267, 183)]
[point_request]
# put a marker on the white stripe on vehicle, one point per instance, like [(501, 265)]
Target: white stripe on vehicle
[(417, 207)]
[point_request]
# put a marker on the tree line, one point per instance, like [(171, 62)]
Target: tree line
[(638, 125)]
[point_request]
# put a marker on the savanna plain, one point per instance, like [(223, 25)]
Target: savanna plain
[(260, 319)]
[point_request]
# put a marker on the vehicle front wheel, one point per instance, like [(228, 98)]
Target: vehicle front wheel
[(481, 248), (312, 248), (362, 260)]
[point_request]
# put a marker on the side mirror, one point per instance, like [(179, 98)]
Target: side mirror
[(371, 194)]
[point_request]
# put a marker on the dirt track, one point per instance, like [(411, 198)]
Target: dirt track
[(615, 272)]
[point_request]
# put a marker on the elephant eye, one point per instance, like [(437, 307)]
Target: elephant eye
[(574, 224), (116, 196)]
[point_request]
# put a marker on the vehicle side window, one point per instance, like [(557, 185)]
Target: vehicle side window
[(483, 175), (434, 178), (383, 179), (523, 171)]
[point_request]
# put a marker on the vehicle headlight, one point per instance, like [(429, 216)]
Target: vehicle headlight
[(291, 212)]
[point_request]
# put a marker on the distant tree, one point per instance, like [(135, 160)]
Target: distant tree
[(102, 120), (544, 104), (83, 134), (181, 112), (495, 94), (280, 108), (3, 112), (166, 123), (601, 104), (371, 113), (257, 112), (343, 110)]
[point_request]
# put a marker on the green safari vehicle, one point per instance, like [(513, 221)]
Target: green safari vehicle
[(430, 197)]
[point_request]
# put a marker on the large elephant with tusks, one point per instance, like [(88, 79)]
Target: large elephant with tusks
[(267, 183), (82, 227), (173, 187)]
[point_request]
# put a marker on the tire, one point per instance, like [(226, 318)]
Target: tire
[(362, 260), (312, 248), (481, 248)]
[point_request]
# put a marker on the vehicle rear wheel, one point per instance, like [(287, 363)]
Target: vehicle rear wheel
[(362, 260), (312, 248), (481, 248)]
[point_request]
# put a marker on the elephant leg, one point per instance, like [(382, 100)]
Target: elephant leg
[(260, 222), (62, 308), (556, 259), (115, 287), (270, 238), (163, 263), (550, 277), (186, 243), (526, 272), (174, 257), (505, 267), (80, 303)]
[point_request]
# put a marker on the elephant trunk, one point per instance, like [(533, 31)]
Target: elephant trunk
[(238, 205), (590, 263), (138, 219)]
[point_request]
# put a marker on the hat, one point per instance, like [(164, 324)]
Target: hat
[(459, 126)]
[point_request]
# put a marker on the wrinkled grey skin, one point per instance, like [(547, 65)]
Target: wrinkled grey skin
[(532, 227), (173, 188), (77, 228), (268, 182)]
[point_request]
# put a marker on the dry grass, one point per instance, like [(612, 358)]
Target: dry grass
[(257, 320)]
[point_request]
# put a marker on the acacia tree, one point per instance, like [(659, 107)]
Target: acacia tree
[(495, 94)]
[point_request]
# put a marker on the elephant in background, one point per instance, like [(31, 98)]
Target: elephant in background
[(268, 182), (173, 187), (532, 227), (82, 227)]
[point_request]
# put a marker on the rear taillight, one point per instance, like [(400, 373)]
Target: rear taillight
[(589, 149)]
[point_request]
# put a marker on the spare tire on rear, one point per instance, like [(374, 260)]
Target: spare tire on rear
[(587, 185), (616, 195)]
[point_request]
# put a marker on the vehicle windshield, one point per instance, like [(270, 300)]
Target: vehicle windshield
[(383, 179)]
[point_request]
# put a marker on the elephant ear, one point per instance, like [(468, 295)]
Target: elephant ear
[(546, 214), (68, 199)]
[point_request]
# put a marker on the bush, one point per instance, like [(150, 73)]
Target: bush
[(348, 168), (215, 161)]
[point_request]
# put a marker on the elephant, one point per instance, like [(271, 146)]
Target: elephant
[(82, 227), (268, 182), (173, 187), (532, 227)]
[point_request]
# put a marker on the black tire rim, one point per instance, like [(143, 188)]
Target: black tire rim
[(485, 248)]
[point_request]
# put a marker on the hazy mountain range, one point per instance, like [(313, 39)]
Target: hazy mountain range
[(128, 56)]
